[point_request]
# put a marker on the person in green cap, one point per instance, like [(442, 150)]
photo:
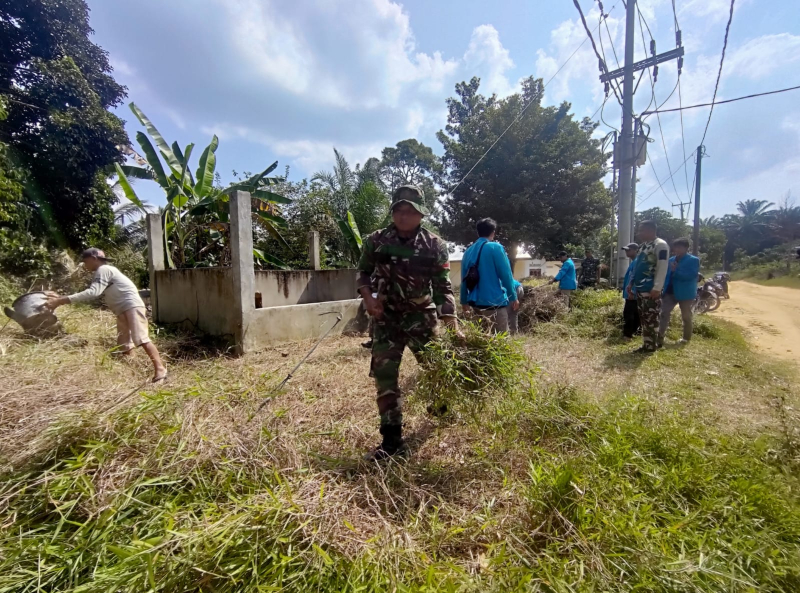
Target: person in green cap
[(407, 268)]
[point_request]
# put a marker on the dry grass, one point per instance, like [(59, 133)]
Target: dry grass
[(462, 508)]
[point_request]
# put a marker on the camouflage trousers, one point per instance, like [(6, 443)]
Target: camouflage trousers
[(649, 314), (391, 335)]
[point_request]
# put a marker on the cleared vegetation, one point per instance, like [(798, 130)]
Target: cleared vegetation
[(590, 469)]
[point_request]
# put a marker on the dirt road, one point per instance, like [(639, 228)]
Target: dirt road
[(770, 316)]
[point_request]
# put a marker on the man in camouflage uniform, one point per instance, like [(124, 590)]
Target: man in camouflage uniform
[(408, 267), (647, 281), (590, 270)]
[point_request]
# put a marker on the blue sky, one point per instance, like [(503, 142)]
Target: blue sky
[(288, 81)]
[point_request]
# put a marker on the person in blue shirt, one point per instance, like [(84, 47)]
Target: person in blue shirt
[(630, 313), (680, 288), (513, 314), (567, 282), (495, 289)]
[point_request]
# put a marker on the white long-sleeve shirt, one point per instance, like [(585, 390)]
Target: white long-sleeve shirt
[(121, 294)]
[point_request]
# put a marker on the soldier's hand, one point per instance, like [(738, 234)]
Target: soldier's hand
[(655, 294), (451, 323), (374, 306)]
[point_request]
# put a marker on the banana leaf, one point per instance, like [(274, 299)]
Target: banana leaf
[(205, 169), (152, 159), (269, 196), (184, 161), (276, 220), (351, 233), (133, 172), (270, 259), (155, 135), (126, 187)]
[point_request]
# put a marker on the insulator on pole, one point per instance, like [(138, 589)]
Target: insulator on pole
[(678, 38), (652, 47), (680, 65), (655, 73)]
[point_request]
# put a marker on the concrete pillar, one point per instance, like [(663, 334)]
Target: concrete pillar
[(313, 250), (155, 257), (244, 277)]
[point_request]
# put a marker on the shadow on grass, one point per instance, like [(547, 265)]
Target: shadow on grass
[(627, 360)]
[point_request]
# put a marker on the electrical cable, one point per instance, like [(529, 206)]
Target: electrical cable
[(516, 119), (683, 136), (719, 73), (682, 165), (600, 60), (791, 88)]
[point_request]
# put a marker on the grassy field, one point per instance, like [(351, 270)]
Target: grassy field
[(786, 281), (593, 469), (781, 276)]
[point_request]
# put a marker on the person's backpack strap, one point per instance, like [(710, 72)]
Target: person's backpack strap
[(472, 277)]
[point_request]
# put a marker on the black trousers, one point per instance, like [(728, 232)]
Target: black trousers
[(631, 316)]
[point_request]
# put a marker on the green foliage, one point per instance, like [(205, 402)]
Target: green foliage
[(196, 217), (21, 256), (463, 372), (669, 227), (542, 182), (132, 263), (355, 193), (410, 162), (58, 125)]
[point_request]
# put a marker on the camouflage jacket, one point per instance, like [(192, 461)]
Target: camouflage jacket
[(589, 268), (408, 274)]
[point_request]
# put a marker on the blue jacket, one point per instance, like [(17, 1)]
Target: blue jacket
[(566, 276), (496, 286), (627, 279), (684, 279)]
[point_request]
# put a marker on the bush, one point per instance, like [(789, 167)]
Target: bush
[(21, 256), (132, 263)]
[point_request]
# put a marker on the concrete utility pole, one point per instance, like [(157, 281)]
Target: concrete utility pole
[(624, 235), (627, 152), (681, 205), (701, 152)]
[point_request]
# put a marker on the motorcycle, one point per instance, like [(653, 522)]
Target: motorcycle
[(722, 279), (707, 298)]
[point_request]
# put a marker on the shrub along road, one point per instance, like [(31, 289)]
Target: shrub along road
[(769, 315)]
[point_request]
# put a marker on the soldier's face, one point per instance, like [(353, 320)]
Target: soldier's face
[(406, 218)]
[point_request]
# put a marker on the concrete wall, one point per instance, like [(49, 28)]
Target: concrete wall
[(299, 287), (276, 325), (200, 298)]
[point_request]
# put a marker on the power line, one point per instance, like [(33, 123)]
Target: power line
[(524, 109), (719, 73), (600, 60), (791, 88), (683, 136), (658, 117), (682, 165)]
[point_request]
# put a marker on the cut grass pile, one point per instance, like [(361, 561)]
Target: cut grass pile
[(544, 490)]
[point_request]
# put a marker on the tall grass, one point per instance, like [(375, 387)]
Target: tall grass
[(539, 491)]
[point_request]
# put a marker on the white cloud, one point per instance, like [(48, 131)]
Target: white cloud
[(486, 56), (761, 57)]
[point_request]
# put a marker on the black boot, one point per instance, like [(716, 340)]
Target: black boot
[(392, 445), (367, 344)]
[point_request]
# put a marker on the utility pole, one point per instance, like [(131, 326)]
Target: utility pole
[(701, 152), (681, 205), (626, 152), (626, 142)]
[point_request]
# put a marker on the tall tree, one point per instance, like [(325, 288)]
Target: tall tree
[(411, 162), (58, 89), (669, 227), (542, 181)]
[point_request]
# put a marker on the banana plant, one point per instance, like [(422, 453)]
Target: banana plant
[(352, 236), (194, 203)]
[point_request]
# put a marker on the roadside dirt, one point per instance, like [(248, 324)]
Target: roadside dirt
[(770, 316)]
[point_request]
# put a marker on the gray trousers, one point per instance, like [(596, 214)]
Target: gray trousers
[(494, 320), (668, 303)]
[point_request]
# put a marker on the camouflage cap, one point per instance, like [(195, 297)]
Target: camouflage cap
[(411, 195)]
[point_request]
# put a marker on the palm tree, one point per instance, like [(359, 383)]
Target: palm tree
[(753, 221), (711, 222), (786, 223)]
